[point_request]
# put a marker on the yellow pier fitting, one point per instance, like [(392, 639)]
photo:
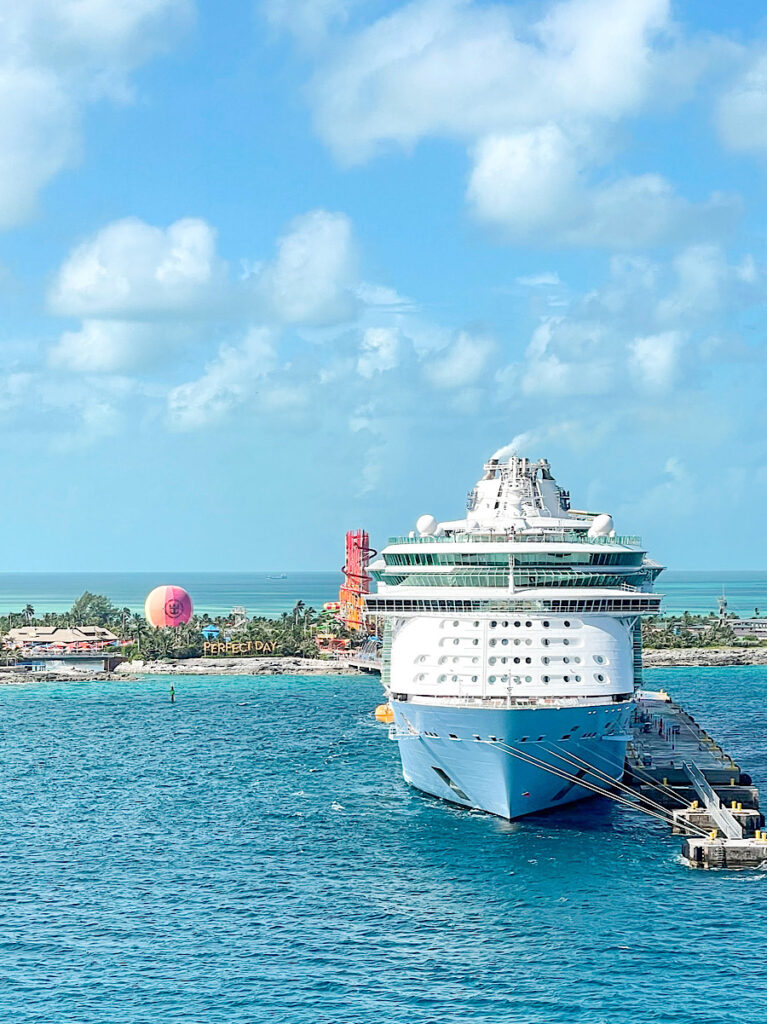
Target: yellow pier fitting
[(694, 805), (712, 834), (384, 713)]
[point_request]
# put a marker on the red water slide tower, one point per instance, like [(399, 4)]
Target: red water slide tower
[(356, 583)]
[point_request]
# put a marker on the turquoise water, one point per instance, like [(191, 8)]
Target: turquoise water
[(251, 854), (218, 593)]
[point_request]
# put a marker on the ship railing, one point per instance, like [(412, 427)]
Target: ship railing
[(504, 536)]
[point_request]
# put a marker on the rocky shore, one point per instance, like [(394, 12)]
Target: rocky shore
[(236, 667), (704, 657)]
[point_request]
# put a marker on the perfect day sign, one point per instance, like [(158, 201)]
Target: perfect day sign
[(238, 647)]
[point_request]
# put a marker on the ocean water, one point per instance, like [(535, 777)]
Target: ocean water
[(262, 594), (251, 854)]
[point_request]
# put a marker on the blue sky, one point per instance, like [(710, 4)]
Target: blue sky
[(277, 269)]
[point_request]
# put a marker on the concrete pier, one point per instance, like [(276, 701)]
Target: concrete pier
[(672, 761)]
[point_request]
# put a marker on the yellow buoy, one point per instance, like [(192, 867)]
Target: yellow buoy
[(384, 713)]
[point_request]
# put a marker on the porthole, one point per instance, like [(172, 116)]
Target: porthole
[(577, 679), (517, 624), (545, 661), (517, 642), (442, 679), (491, 661), (598, 659), (493, 624), (504, 660), (566, 661), (528, 679), (476, 624), (528, 661), (504, 641), (455, 622), (565, 642), (473, 679), (566, 678), (517, 661), (545, 623), (475, 661), (455, 661), (566, 623), (455, 679), (528, 624), (577, 660), (455, 642), (545, 679), (545, 642), (504, 679), (492, 643), (492, 679), (475, 642), (528, 643), (505, 624), (600, 677)]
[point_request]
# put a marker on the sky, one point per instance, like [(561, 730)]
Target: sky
[(275, 269)]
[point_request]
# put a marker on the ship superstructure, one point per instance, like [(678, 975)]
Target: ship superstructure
[(512, 642)]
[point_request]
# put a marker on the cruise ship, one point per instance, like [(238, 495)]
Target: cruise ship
[(512, 644)]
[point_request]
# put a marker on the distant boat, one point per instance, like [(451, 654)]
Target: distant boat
[(278, 576)]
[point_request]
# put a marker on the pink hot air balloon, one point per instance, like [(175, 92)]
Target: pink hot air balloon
[(168, 606)]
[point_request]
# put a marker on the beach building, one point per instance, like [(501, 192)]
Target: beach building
[(65, 649), (750, 627)]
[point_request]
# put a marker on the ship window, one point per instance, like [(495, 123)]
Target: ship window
[(476, 624), (566, 678), (517, 661), (577, 660), (528, 679), (566, 623), (442, 679), (565, 642), (545, 679), (545, 642), (504, 624), (492, 679), (493, 624), (492, 643), (566, 661), (545, 623), (491, 661), (504, 641), (517, 623), (577, 679), (545, 661), (529, 643), (455, 623), (473, 679), (566, 736), (455, 679), (455, 642), (475, 661), (504, 660), (540, 738), (528, 624), (528, 661), (598, 659), (475, 642)]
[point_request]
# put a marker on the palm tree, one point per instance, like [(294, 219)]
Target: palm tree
[(29, 613)]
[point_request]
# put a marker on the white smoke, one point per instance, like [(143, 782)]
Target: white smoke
[(514, 446)]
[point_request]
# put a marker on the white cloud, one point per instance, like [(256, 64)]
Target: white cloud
[(132, 268), (307, 20), (545, 278), (654, 359), (105, 346), (56, 56), (533, 185), (526, 181), (462, 69), (741, 113), (379, 351), (313, 279), (230, 379), (462, 363)]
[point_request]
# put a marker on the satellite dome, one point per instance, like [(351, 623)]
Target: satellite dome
[(426, 525), (601, 526), (168, 606)]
